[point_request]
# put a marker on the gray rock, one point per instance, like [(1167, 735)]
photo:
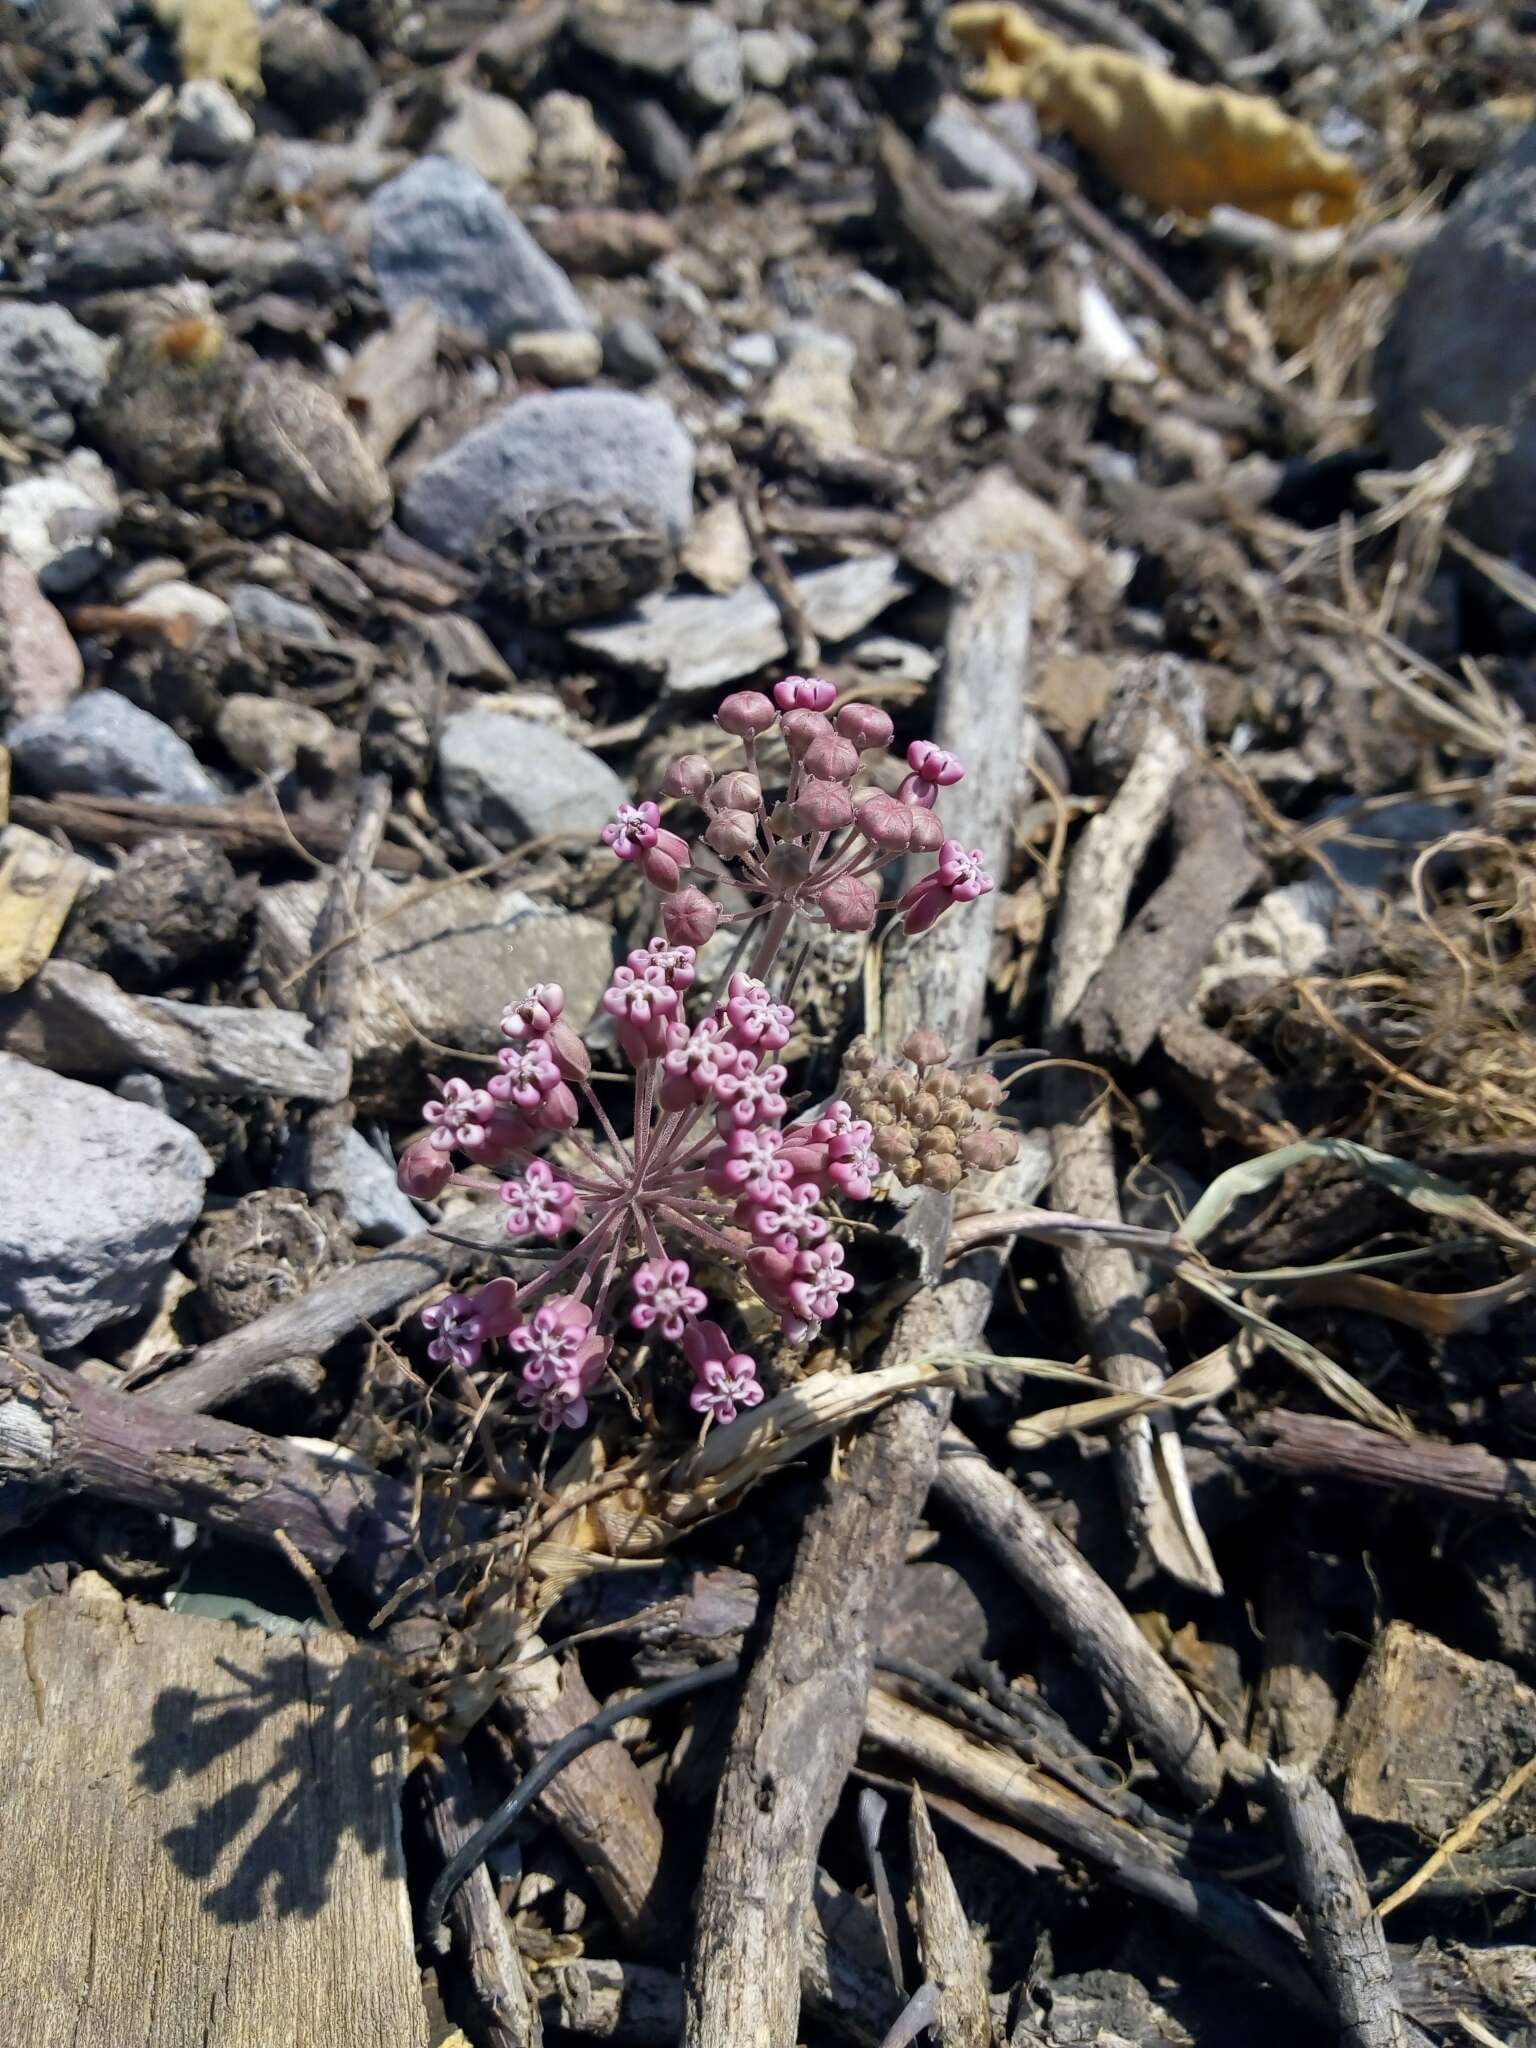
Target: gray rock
[(211, 126), (440, 232), (514, 779), (1462, 344), (965, 148), (378, 1211), (268, 735), (440, 967), (489, 133), (54, 520), (631, 352), (102, 745), (51, 370), (604, 446), (121, 1187), (768, 56), (179, 600), (268, 611)]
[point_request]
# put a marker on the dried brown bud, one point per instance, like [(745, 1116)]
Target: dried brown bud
[(943, 1174), (925, 1048), (983, 1091)]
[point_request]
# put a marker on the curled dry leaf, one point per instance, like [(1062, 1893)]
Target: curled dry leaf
[(1183, 148)]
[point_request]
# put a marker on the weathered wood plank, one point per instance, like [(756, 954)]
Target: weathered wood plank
[(199, 1834)]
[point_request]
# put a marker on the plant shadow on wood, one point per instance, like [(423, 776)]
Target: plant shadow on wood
[(297, 1754)]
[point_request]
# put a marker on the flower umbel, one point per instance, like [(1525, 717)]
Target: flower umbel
[(817, 851), (711, 1160)]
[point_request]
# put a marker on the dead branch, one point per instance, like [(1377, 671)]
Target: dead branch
[(1318, 1447)]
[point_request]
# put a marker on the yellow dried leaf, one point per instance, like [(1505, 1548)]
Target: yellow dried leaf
[(1182, 148), (218, 39)]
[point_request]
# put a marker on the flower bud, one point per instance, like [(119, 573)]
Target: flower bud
[(736, 791), (660, 869), (925, 1048), (800, 728), (571, 1056), (927, 832), (423, 1172), (746, 713), (850, 904), (990, 1150), (943, 1174), (804, 693), (689, 918), (731, 833), (885, 823), (831, 758), (983, 1091), (821, 806), (865, 724), (688, 775)]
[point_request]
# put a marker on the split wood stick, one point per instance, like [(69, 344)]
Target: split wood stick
[(1149, 1454), (1085, 1612), (330, 993), (244, 826), (1347, 1940), (797, 1728), (951, 1955), (498, 1976), (1261, 1939)]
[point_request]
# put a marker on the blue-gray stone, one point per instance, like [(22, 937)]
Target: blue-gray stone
[(101, 745)]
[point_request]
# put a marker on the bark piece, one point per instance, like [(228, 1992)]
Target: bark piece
[(249, 1788), (1466, 1475), (952, 1958), (1154, 966), (497, 1974), (1345, 1936), (1428, 1733), (964, 258)]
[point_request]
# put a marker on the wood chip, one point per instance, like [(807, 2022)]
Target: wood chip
[(38, 886)]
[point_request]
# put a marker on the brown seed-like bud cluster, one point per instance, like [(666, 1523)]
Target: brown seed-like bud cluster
[(931, 1125)]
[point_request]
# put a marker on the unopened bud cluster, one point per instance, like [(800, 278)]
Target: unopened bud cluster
[(931, 1125)]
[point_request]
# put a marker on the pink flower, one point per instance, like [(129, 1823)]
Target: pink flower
[(959, 877), (692, 1065), (632, 829), (677, 965), (460, 1118), (643, 1006), (751, 1095), (664, 1299), (789, 1218), (532, 1015), (538, 1205), (456, 1338), (853, 1166), (749, 1162), (725, 1381), (557, 1342), (932, 770), (495, 1309), (820, 1281), (753, 1019), (528, 1074), (561, 1405), (804, 693)]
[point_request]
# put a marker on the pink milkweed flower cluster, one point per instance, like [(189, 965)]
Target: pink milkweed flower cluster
[(713, 1158), (816, 851)]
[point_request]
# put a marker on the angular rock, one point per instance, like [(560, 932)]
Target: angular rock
[(573, 356), (439, 967), (515, 779), (718, 553), (104, 746), (177, 600), (124, 1186), (51, 370), (54, 520), (440, 232), (965, 148), (693, 644), (691, 49), (377, 1210), (313, 70), (40, 666), (578, 161), (270, 735), (74, 1018), (577, 499), (490, 134), (211, 126), (1462, 344), (171, 903), (631, 353), (268, 611), (812, 391)]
